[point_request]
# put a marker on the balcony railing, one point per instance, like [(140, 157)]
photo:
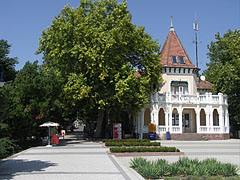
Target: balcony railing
[(207, 98)]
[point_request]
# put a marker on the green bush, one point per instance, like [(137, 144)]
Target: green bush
[(185, 167), (143, 149), (132, 143), (7, 147), (125, 140)]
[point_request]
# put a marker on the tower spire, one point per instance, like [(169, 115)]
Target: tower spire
[(195, 28), (171, 28)]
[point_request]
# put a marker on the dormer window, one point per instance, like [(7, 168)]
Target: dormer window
[(181, 60), (174, 59)]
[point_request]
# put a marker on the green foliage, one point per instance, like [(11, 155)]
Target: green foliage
[(224, 69), (7, 147), (7, 65), (125, 140), (33, 98), (143, 149), (132, 143), (99, 51), (192, 169)]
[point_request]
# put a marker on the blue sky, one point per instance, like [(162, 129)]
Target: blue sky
[(21, 22)]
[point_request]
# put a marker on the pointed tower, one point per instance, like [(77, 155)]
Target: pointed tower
[(178, 71), (173, 52)]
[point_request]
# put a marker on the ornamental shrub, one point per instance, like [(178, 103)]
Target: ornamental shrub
[(132, 143), (185, 167), (125, 140), (143, 149), (7, 147)]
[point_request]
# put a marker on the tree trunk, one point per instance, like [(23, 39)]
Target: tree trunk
[(99, 124)]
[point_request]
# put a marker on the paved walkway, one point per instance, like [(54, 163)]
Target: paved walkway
[(77, 159)]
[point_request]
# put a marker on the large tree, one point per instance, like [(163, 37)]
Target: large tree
[(224, 69), (33, 98), (7, 64), (99, 50)]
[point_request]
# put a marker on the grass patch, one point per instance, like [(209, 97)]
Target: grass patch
[(184, 168)]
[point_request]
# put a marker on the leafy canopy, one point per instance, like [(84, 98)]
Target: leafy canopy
[(99, 50), (7, 65), (224, 69)]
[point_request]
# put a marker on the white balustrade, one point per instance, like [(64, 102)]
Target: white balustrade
[(176, 129), (162, 129), (203, 129), (207, 98), (216, 129)]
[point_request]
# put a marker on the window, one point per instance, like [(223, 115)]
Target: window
[(175, 119), (181, 60), (215, 118), (185, 119), (147, 115), (179, 87), (174, 59)]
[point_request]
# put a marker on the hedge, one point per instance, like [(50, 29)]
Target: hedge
[(143, 149), (125, 140), (132, 143)]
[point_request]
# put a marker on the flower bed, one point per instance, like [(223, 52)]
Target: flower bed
[(132, 143), (184, 167), (143, 149)]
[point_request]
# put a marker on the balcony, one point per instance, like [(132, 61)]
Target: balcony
[(207, 98)]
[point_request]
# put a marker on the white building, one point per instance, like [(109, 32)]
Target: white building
[(184, 104)]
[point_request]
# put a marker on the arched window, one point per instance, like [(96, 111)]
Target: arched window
[(215, 118), (202, 118), (175, 117), (147, 117), (161, 117)]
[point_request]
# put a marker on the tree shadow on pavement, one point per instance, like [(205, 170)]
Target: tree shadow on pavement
[(14, 167)]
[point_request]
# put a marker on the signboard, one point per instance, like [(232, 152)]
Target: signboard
[(117, 131)]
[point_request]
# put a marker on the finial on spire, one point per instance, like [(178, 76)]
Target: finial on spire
[(171, 28), (195, 25)]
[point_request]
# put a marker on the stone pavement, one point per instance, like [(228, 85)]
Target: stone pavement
[(83, 160), (75, 160)]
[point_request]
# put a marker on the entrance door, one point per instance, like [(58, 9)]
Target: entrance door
[(185, 122)]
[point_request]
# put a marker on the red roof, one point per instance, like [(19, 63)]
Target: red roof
[(204, 84), (174, 47)]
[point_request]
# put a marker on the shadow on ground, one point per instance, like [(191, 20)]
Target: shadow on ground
[(13, 167)]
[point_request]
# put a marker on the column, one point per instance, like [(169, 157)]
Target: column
[(211, 120), (227, 120), (166, 121), (180, 119), (170, 119), (198, 120), (141, 123), (221, 122), (207, 120)]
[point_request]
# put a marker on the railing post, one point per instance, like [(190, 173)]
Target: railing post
[(220, 96)]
